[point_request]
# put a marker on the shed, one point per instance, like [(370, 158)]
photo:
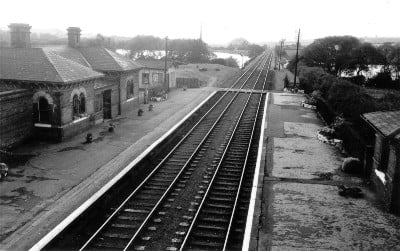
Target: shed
[(386, 159)]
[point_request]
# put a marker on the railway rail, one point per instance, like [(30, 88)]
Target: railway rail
[(202, 180)]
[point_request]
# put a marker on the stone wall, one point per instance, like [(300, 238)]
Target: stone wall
[(15, 116)]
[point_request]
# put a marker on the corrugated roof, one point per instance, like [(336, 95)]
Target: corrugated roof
[(386, 122), (36, 64), (102, 59), (153, 63)]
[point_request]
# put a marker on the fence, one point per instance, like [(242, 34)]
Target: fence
[(187, 82)]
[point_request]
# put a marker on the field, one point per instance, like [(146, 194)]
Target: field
[(213, 75)]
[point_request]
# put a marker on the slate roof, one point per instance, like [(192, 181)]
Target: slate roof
[(69, 53), (154, 64), (102, 59), (38, 64), (386, 123)]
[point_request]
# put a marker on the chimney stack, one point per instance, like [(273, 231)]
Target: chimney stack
[(20, 35), (74, 36)]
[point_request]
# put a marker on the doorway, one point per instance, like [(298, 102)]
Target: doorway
[(107, 104)]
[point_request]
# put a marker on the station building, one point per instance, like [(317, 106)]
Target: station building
[(151, 75), (55, 92)]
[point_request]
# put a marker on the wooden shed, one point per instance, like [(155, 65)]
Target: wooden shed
[(386, 159)]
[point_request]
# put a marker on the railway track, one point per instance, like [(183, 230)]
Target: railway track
[(189, 181), (221, 210), (259, 69)]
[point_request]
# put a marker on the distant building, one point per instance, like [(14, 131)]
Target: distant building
[(71, 87), (151, 75), (386, 158)]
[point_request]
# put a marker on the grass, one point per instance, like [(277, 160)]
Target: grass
[(210, 77)]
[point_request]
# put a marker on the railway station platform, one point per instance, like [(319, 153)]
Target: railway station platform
[(298, 206), (40, 193)]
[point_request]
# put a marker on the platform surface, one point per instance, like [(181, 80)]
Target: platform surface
[(299, 206)]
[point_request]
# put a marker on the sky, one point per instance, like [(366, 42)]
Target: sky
[(221, 20)]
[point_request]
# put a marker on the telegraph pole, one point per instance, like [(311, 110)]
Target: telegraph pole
[(165, 63), (297, 58), (280, 54)]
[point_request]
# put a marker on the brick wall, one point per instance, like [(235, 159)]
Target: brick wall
[(73, 129), (63, 123), (132, 103), (66, 105), (151, 84), (15, 116)]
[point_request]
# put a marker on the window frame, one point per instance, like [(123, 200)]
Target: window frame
[(78, 106), (41, 112), (98, 102), (82, 103), (130, 90), (145, 75)]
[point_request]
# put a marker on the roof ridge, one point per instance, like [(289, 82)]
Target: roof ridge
[(84, 59), (394, 132), (67, 60), (52, 64), (109, 53)]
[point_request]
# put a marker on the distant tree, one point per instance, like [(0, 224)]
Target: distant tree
[(394, 58), (362, 57), (386, 50), (239, 44), (99, 41), (139, 44), (382, 80), (189, 50), (333, 54), (278, 51), (220, 61), (231, 62), (255, 50)]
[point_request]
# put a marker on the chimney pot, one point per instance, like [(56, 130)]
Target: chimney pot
[(74, 36), (20, 35)]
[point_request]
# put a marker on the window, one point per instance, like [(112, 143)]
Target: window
[(78, 105), (129, 89), (82, 103), (145, 78), (98, 102), (75, 105), (43, 111), (157, 77)]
